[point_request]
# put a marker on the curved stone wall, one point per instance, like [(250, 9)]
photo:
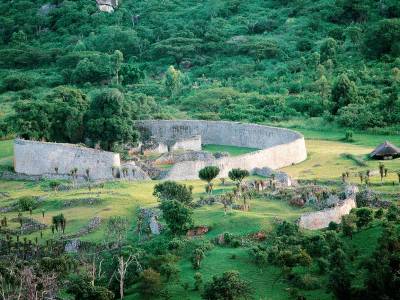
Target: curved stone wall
[(279, 147), (39, 158)]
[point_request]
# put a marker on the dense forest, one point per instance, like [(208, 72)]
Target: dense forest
[(265, 61)]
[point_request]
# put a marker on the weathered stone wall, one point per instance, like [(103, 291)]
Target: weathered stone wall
[(280, 147), (39, 158), (190, 143), (321, 219)]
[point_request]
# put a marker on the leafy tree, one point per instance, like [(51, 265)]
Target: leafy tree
[(177, 216), (197, 257), (381, 279), (70, 106), (238, 175), (173, 81), (171, 190), (339, 276), (349, 225), (110, 120), (150, 284), (117, 229), (344, 92), (364, 217), (383, 38), (328, 49), (353, 10), (229, 286), (81, 287), (209, 173), (32, 119)]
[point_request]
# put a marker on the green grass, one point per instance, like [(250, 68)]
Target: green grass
[(232, 150), (6, 154)]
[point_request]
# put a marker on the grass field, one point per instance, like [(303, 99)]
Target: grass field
[(232, 150)]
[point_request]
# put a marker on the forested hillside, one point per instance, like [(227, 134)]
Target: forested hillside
[(259, 61)]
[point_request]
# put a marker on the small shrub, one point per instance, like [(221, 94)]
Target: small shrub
[(333, 226), (27, 203)]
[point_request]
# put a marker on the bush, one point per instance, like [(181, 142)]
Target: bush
[(17, 82), (333, 226), (27, 203)]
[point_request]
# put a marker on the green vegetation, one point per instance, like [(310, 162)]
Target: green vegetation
[(328, 68)]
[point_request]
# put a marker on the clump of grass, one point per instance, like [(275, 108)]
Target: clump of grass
[(358, 160)]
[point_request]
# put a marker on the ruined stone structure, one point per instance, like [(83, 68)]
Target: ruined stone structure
[(157, 145), (41, 158), (279, 147), (107, 5), (321, 219)]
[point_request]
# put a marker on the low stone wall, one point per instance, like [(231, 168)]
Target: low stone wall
[(38, 158), (280, 147), (321, 219)]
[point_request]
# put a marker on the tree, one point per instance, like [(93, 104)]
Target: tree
[(67, 119), (150, 284), (364, 217), (344, 92), (229, 286), (197, 257), (339, 279), (32, 119), (171, 190), (208, 174), (382, 281), (173, 81), (117, 229), (110, 120), (328, 49), (123, 264), (238, 175), (118, 59), (383, 38), (349, 225), (81, 287), (177, 216)]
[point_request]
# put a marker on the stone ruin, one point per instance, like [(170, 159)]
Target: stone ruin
[(321, 219), (180, 141)]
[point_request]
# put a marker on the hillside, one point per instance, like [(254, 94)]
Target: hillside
[(257, 61)]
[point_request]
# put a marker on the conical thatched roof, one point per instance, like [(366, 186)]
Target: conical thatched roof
[(386, 149)]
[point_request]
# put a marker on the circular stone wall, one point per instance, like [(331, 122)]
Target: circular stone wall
[(279, 147)]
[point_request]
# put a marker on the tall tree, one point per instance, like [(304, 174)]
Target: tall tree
[(344, 92), (110, 120)]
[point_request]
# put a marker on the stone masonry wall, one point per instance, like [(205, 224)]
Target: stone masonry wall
[(39, 158), (321, 219), (280, 147), (191, 143)]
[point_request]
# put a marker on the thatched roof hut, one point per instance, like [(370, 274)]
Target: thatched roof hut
[(385, 151)]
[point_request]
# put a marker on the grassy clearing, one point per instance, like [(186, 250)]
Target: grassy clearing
[(232, 150)]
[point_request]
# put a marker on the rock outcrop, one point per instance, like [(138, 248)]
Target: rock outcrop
[(107, 5)]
